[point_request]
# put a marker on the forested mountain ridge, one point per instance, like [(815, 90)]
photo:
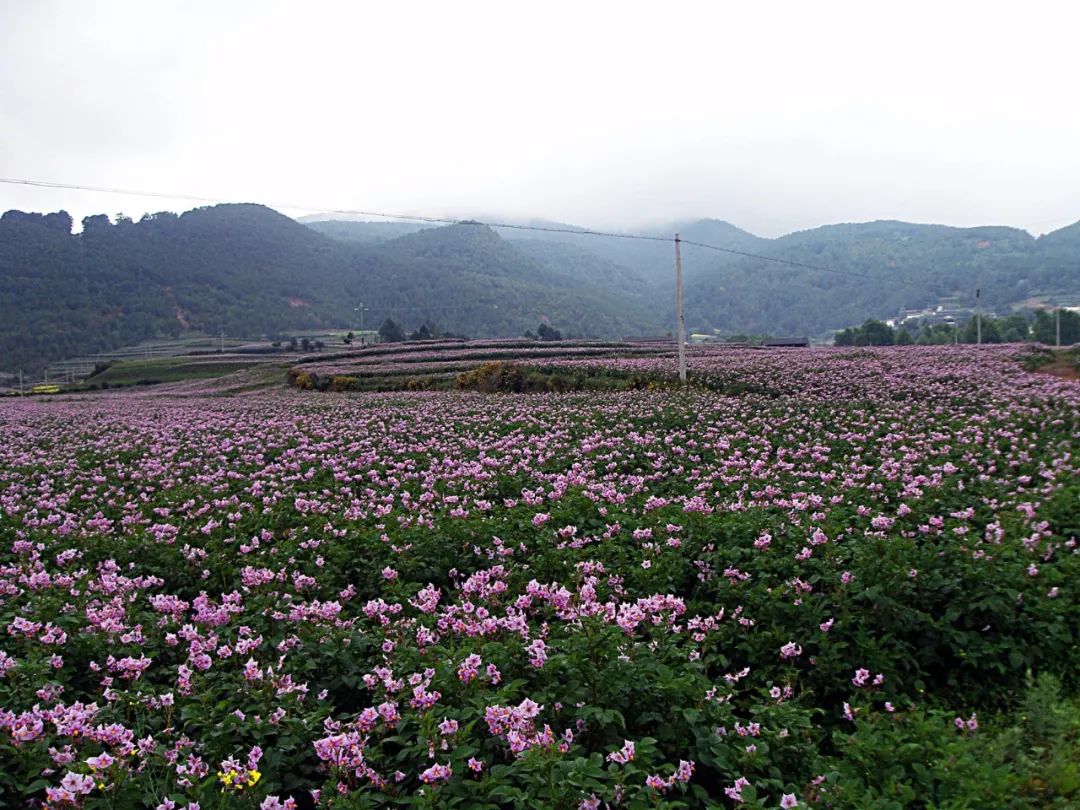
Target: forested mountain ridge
[(871, 269), (252, 272), (249, 271), (875, 269), (365, 233), (467, 279), (643, 261), (244, 269)]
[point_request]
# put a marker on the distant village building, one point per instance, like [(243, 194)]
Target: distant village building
[(947, 312)]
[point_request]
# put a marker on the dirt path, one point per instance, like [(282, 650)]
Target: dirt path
[(1061, 368)]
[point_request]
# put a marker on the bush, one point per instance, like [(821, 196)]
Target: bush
[(343, 383), (496, 376), (303, 380)]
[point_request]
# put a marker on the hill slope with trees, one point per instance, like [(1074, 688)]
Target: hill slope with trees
[(251, 272), (876, 269), (871, 269)]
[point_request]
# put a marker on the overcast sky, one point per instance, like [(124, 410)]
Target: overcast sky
[(773, 116)]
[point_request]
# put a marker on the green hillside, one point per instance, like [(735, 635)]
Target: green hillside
[(468, 280), (251, 272), (241, 268), (365, 233), (875, 269)]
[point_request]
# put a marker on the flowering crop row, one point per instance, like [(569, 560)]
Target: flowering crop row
[(642, 599), (430, 357)]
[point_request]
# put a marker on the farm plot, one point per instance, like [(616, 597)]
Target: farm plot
[(835, 579)]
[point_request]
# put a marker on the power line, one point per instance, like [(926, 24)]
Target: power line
[(445, 221), (105, 190), (327, 210)]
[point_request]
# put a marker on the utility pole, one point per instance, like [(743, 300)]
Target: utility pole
[(679, 310), (1057, 327), (361, 309), (21, 392), (222, 342), (978, 319)]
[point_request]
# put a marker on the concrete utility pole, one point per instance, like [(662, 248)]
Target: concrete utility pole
[(361, 309), (978, 319), (679, 310), (222, 341), (21, 392), (1057, 327)]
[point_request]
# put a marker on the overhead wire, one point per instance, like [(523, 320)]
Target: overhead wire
[(329, 210), (447, 221)]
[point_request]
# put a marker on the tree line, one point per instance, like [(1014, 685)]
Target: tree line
[(1017, 328), (392, 332)]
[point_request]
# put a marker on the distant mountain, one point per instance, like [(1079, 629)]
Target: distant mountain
[(1067, 236), (870, 269), (250, 271), (242, 268), (647, 261), (653, 261), (572, 261), (467, 279), (366, 233), (1060, 250), (873, 270)]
